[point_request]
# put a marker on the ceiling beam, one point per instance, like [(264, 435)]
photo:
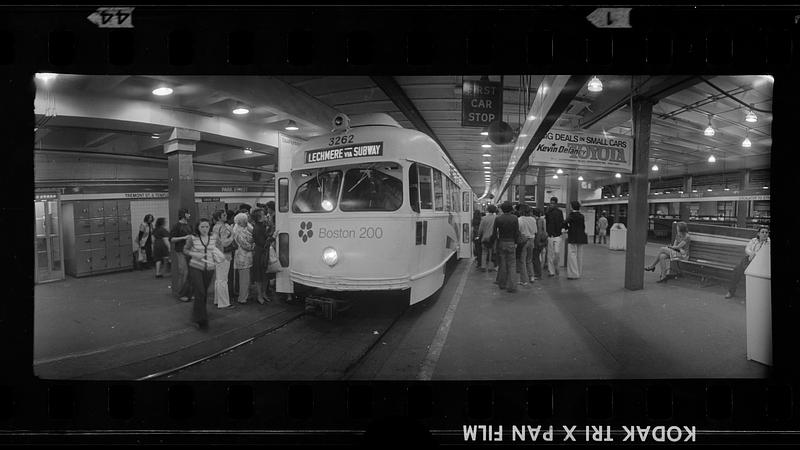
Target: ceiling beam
[(551, 110), (395, 92), (655, 89)]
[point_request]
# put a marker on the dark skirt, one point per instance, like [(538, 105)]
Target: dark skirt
[(259, 265), (160, 251)]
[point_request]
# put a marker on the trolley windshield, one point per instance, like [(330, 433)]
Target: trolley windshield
[(319, 194), (374, 187)]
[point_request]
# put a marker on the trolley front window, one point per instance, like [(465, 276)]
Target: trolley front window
[(375, 188), (319, 194)]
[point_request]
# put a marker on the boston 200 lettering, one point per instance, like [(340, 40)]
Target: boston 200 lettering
[(345, 233)]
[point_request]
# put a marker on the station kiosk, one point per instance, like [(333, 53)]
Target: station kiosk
[(758, 305)]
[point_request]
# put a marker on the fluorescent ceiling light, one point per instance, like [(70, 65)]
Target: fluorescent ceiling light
[(162, 91)]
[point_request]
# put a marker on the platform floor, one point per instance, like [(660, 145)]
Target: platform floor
[(556, 328)]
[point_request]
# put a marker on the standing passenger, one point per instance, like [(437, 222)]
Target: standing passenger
[(555, 222), (243, 257), (752, 248), (161, 246), (576, 237), (201, 269), (270, 277), (507, 228), (527, 228), (260, 254), (602, 224), (224, 236), (539, 243), (485, 234), (145, 241), (476, 239), (179, 234), (232, 291)]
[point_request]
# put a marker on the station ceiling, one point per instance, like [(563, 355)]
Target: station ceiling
[(120, 115)]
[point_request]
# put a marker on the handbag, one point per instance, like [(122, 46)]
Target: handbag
[(273, 264), (142, 257)]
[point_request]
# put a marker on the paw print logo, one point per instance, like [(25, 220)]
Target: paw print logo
[(305, 231)]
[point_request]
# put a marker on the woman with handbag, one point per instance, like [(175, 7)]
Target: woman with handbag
[(224, 237), (243, 257), (260, 254)]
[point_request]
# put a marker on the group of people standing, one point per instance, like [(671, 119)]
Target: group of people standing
[(230, 251), (522, 239)]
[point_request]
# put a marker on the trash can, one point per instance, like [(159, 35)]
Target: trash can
[(758, 305), (617, 237)]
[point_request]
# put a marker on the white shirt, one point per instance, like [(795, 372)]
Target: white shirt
[(754, 246)]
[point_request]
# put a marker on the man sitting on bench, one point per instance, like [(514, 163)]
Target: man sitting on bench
[(679, 250), (755, 244)]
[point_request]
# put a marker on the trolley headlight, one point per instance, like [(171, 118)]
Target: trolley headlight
[(327, 205), (330, 256)]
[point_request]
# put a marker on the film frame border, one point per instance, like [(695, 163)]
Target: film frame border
[(395, 40)]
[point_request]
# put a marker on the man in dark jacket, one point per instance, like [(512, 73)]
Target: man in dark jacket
[(506, 228), (554, 219), (576, 238)]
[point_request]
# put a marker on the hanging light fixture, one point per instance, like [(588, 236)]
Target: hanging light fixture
[(654, 168), (291, 126), (485, 132), (709, 131), (617, 175), (555, 177), (711, 159), (486, 145), (559, 171), (580, 177), (240, 110), (487, 155), (746, 142), (247, 151), (162, 91), (595, 85), (751, 116)]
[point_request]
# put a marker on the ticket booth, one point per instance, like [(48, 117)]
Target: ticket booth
[(48, 242)]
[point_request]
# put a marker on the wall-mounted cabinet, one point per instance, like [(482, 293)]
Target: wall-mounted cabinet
[(97, 236)]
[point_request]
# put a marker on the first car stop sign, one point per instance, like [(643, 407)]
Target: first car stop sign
[(481, 103)]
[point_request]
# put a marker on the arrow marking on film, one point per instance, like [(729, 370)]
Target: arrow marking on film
[(610, 17), (116, 17)]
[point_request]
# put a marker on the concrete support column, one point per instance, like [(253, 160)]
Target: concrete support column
[(617, 207), (637, 201), (687, 184), (180, 150), (540, 188), (522, 189)]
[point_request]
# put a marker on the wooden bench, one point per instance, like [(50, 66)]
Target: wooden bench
[(710, 260)]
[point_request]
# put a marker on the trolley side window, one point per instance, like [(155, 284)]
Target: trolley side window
[(413, 187), (425, 192), (376, 188), (319, 194), (437, 190), (448, 194)]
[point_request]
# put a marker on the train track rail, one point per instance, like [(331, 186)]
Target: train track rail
[(217, 354)]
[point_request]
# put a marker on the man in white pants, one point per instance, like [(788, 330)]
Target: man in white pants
[(554, 221)]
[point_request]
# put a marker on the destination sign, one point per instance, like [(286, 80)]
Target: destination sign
[(345, 152)]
